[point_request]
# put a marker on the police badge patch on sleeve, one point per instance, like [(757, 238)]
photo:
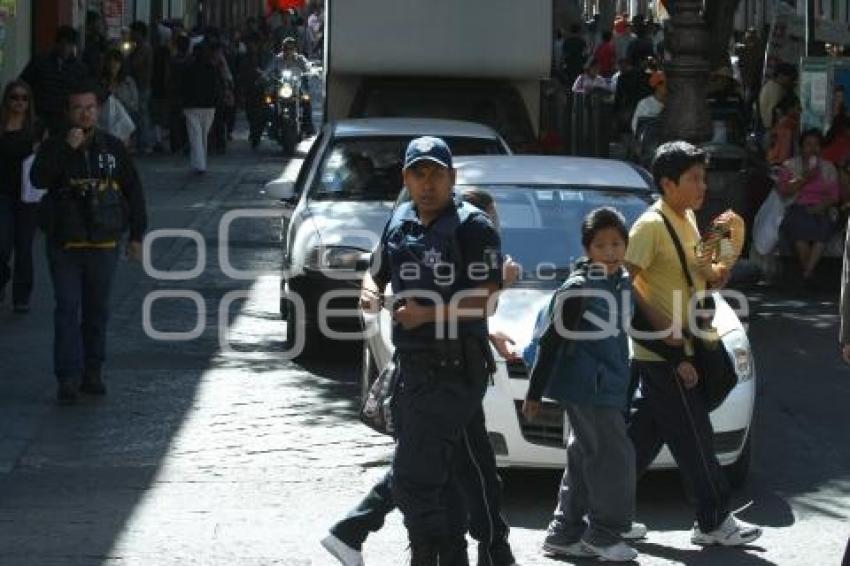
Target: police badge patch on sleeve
[(492, 255)]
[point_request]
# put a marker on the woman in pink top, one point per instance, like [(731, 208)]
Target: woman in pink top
[(814, 183)]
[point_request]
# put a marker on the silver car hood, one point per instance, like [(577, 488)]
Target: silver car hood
[(357, 224)]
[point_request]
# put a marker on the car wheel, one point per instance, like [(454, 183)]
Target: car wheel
[(738, 472), (368, 373), (296, 328)]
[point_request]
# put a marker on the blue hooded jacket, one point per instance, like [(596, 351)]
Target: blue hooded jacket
[(593, 371)]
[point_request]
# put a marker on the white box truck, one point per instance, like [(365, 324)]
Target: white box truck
[(477, 60)]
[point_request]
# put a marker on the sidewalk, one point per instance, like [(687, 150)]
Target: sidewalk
[(195, 456), (175, 199)]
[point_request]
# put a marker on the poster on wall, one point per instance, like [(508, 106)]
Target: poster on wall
[(786, 41), (815, 92), (113, 17), (840, 87)]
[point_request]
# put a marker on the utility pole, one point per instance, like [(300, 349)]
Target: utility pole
[(686, 114), (810, 26)]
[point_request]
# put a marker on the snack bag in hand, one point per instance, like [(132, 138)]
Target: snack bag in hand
[(724, 239)]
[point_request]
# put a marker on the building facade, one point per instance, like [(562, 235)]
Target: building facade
[(229, 13), (759, 13), (15, 38)]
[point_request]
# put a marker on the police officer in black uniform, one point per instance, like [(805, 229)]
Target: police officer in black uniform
[(443, 257)]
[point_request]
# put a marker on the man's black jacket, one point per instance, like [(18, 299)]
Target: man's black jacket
[(58, 166)]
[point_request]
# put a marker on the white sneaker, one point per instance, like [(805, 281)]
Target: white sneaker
[(342, 552), (620, 552), (637, 532), (732, 532)]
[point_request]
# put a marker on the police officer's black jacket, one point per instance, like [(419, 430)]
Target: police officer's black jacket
[(58, 166), (442, 256)]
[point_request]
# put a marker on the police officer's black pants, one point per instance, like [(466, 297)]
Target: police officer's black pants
[(437, 397), (669, 413), (481, 486), (82, 280)]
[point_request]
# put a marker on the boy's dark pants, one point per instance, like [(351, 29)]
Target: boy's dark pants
[(669, 413)]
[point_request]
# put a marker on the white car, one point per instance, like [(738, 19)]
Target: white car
[(339, 197), (541, 202)]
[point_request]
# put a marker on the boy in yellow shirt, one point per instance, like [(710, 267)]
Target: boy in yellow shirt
[(671, 409)]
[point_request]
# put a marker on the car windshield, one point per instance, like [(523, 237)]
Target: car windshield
[(540, 226), (370, 168)]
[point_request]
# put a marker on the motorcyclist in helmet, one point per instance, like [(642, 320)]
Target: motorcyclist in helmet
[(288, 59)]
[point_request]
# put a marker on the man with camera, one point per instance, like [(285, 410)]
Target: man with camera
[(94, 195)]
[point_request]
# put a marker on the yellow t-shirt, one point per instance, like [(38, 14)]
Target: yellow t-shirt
[(652, 250)]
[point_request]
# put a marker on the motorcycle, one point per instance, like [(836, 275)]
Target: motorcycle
[(289, 110)]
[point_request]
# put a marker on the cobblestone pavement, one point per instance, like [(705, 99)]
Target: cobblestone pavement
[(205, 456)]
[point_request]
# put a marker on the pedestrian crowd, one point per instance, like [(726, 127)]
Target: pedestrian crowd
[(621, 64), (797, 198), (808, 207), (69, 127), (163, 87)]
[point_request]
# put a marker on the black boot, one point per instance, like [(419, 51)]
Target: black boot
[(93, 383), (424, 553), (499, 554)]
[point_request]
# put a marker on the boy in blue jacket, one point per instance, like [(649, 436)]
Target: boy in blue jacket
[(587, 372)]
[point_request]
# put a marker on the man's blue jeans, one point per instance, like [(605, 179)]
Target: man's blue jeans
[(82, 279)]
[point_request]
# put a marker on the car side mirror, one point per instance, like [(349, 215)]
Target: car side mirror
[(363, 262), (282, 190)]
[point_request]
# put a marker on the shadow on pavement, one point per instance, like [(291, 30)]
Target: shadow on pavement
[(747, 556), (85, 489)]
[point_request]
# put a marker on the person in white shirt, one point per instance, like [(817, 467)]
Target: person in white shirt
[(652, 105), (315, 34), (590, 79)]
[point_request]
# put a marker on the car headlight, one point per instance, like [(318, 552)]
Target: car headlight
[(334, 257), (285, 91), (743, 360)]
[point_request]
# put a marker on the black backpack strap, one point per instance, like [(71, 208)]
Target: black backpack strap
[(679, 251)]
